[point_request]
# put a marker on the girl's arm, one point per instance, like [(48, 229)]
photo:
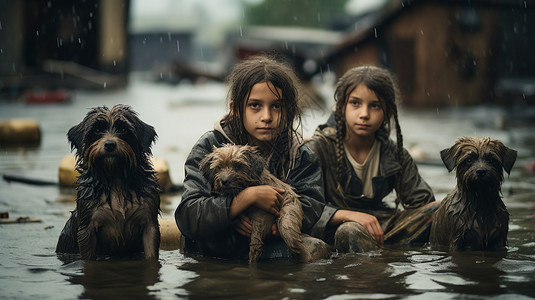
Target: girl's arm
[(201, 212)]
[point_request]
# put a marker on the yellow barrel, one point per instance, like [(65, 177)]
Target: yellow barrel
[(162, 172), (20, 131), (68, 175), (169, 234)]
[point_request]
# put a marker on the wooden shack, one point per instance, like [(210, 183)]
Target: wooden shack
[(67, 44), (443, 52)]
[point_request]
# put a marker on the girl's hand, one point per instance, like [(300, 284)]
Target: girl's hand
[(244, 226), (369, 221), (265, 197)]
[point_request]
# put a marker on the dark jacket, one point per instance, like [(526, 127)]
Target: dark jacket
[(414, 191), (203, 214)]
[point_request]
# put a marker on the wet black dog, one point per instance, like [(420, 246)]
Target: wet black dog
[(118, 200), (473, 216)]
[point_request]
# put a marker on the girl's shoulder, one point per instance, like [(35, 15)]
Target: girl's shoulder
[(323, 135), (212, 138)]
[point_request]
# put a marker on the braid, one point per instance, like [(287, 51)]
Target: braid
[(399, 154), (340, 134)]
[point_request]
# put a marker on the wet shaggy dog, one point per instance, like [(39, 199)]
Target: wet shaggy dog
[(473, 216), (235, 168), (118, 200)]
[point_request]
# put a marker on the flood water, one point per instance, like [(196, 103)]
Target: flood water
[(29, 267)]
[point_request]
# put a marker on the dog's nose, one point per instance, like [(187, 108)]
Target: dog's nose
[(225, 181), (109, 146), (481, 172)]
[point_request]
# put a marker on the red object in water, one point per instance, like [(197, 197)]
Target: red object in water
[(45, 96)]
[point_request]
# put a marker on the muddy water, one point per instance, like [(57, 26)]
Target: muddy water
[(29, 268)]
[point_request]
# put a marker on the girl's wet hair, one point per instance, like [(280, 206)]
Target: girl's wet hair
[(384, 85), (242, 78)]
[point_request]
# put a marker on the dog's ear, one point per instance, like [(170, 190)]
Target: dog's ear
[(448, 157), (75, 135), (204, 165), (509, 158), (256, 161), (147, 135)]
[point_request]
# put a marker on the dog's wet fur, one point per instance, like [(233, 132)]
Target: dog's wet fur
[(118, 202), (473, 215), (235, 168)]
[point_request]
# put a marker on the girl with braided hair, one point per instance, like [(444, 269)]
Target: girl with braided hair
[(361, 165)]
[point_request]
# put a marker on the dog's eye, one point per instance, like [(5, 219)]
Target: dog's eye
[(493, 160), (469, 160), (100, 128)]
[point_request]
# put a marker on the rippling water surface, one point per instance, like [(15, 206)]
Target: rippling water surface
[(29, 268)]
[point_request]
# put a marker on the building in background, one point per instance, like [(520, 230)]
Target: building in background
[(63, 44), (449, 52)]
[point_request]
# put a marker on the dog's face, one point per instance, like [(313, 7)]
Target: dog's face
[(111, 138), (479, 162), (233, 168)]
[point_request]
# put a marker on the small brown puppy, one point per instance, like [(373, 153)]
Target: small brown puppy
[(118, 199), (473, 215), (235, 168)]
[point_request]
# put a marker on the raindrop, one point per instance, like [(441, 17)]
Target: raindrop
[(241, 32), (169, 36), (319, 17), (37, 32), (421, 31), (114, 63), (105, 84), (1, 51), (49, 4), (202, 54), (161, 40), (375, 31), (177, 46), (475, 63), (0, 25), (144, 41), (79, 41), (91, 14), (14, 68)]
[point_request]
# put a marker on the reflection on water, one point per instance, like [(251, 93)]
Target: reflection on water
[(180, 114), (116, 279)]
